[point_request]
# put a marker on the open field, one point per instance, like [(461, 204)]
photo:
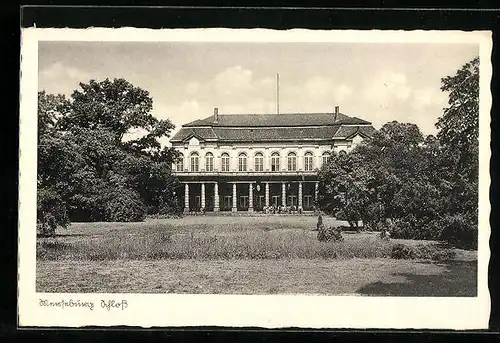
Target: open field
[(239, 255)]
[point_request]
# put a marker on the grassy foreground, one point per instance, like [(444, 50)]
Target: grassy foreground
[(238, 255)]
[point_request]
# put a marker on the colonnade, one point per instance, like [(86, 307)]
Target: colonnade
[(299, 195)]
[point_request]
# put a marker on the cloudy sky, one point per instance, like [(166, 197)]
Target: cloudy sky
[(376, 82)]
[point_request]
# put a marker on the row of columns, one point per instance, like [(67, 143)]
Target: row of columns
[(250, 196)]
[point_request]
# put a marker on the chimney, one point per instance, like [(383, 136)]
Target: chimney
[(336, 114), (216, 115)]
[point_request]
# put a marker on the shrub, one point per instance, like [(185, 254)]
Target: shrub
[(410, 227), (328, 234), (402, 251), (170, 209), (51, 212), (460, 230), (125, 206), (403, 228), (421, 251)]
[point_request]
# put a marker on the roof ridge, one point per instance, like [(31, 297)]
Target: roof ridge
[(275, 114)]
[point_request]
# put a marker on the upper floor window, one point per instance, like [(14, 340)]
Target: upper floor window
[(179, 166), (225, 162), (292, 161), (209, 162), (259, 162), (326, 157), (342, 153), (308, 161), (195, 162), (242, 162), (275, 161)]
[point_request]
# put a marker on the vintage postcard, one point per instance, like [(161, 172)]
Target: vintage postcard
[(254, 178)]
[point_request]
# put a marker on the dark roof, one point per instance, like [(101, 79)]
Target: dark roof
[(351, 131), (286, 119), (201, 133), (276, 134), (274, 127)]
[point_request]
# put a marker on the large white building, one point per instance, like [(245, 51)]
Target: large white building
[(249, 161)]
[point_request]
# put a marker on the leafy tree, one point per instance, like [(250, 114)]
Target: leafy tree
[(424, 187), (119, 107), (345, 190), (459, 124), (50, 109), (56, 160), (459, 136), (87, 167), (392, 157), (381, 181)]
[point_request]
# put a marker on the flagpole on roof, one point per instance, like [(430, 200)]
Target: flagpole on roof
[(278, 93)]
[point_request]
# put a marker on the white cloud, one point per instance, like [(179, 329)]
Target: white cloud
[(234, 90), (322, 89), (428, 97), (233, 81), (181, 113), (386, 88), (58, 71)]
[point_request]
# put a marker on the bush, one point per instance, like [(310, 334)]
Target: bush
[(51, 212), (328, 234), (125, 206), (460, 230), (402, 251), (421, 251), (170, 209), (404, 228), (410, 227)]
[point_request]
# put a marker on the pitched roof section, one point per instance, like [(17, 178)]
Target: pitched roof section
[(351, 131), (276, 134), (199, 132), (274, 127), (286, 119)]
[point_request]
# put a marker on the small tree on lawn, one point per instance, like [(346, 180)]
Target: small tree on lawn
[(344, 189)]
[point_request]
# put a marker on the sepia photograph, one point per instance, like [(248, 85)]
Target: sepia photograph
[(326, 169)]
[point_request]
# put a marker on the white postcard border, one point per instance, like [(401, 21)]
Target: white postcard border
[(269, 311)]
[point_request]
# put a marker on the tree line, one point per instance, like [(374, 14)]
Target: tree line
[(418, 187)]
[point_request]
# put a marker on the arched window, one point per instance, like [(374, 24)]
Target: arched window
[(195, 162), (225, 162), (259, 162), (275, 161), (308, 161), (242, 162), (292, 161), (326, 157), (209, 162), (179, 166)]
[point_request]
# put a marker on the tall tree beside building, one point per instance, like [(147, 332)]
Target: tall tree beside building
[(88, 168), (427, 186), (459, 137)]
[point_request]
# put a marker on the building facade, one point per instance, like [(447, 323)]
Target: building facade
[(251, 162)]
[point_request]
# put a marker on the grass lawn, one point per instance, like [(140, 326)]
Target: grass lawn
[(239, 255)]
